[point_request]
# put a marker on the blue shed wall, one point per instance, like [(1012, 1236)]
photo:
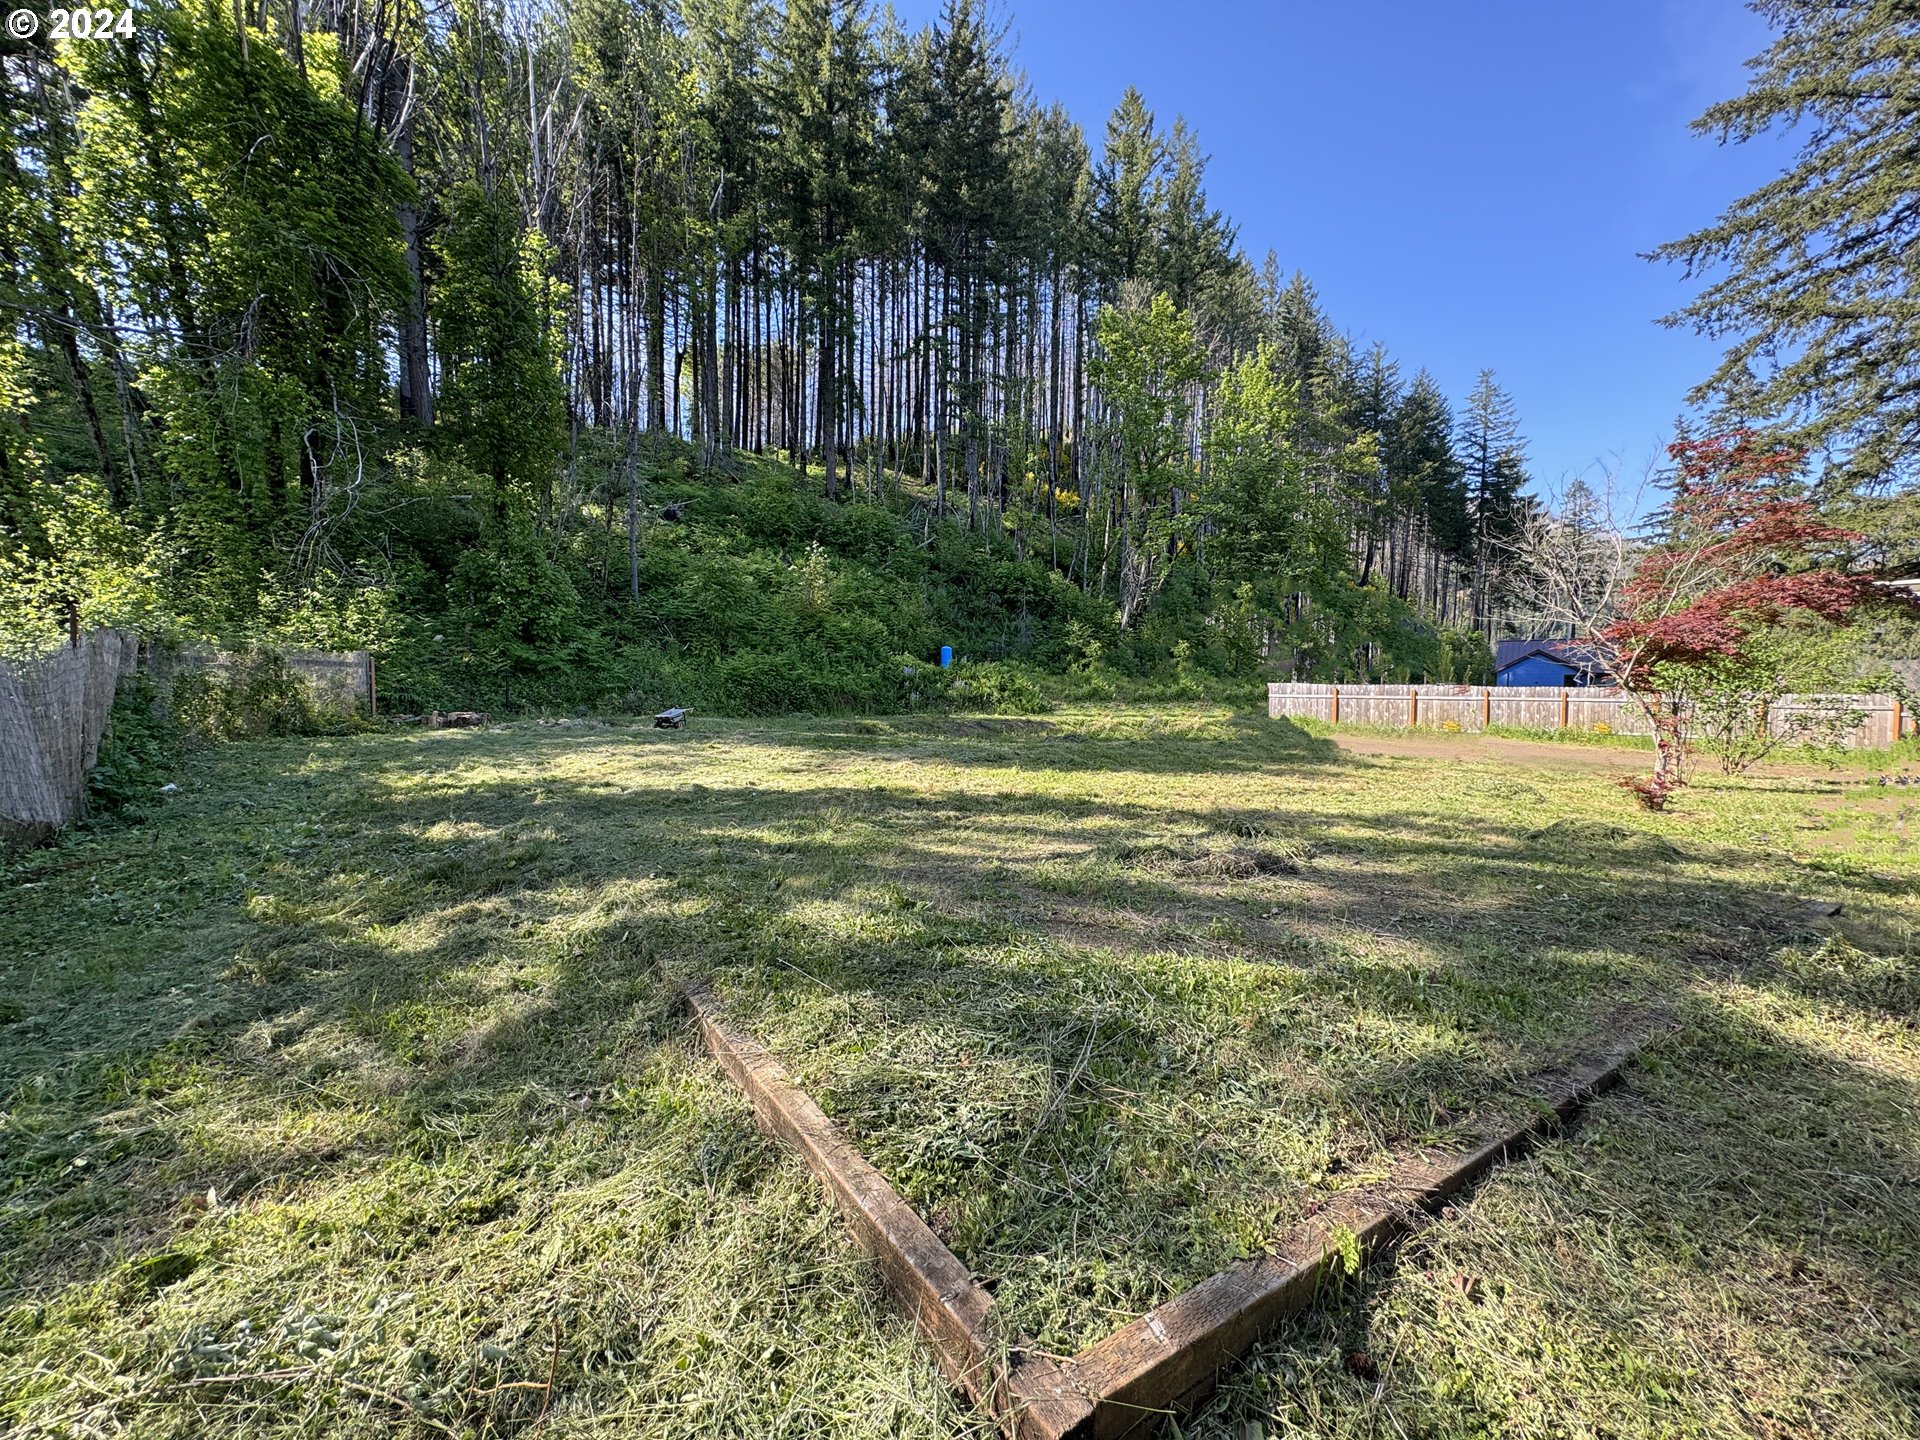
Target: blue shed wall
[(1534, 670)]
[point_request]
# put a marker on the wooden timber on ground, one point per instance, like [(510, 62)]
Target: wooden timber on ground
[(1024, 1391), (1168, 1361)]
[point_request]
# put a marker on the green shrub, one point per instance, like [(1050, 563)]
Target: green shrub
[(140, 748), (755, 682), (256, 697), (924, 685), (998, 685)]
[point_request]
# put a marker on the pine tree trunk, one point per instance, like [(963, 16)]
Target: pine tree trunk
[(656, 300), (828, 418), (416, 378), (633, 513)]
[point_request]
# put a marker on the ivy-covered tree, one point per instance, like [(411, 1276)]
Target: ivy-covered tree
[(501, 398), (243, 214)]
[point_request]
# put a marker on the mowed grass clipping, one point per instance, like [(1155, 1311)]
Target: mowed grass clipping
[(350, 1095)]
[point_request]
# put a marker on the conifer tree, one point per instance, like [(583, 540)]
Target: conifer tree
[(1193, 245), (1813, 277), (1126, 183), (1420, 449), (1493, 464), (825, 92)]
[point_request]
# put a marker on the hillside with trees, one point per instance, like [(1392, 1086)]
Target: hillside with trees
[(621, 352)]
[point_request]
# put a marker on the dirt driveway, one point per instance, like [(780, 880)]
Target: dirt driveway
[(1618, 760), (1437, 745)]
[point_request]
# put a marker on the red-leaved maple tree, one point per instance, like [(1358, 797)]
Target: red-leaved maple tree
[(1741, 547)]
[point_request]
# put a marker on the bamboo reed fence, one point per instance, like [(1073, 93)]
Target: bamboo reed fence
[(54, 710)]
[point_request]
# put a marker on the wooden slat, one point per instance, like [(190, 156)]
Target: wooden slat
[(1459, 706), (1547, 707), (1298, 698), (1876, 725), (1168, 1361), (1027, 1393)]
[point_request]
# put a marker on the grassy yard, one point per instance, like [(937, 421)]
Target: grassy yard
[(350, 1096)]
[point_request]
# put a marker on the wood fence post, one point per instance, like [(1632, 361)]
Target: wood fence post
[(1336, 704), (1566, 701), (1896, 720), (1486, 707), (1413, 706)]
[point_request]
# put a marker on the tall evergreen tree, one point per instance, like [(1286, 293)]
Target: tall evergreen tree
[(969, 208), (1127, 180), (1420, 449), (826, 96), (1493, 463), (1193, 244), (1816, 275)]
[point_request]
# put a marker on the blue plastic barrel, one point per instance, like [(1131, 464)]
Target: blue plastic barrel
[(946, 656)]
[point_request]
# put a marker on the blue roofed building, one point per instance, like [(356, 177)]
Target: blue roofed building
[(1545, 662)]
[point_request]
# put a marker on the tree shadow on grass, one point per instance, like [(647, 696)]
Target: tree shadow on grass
[(462, 957)]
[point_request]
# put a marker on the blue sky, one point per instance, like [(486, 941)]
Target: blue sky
[(1471, 183)]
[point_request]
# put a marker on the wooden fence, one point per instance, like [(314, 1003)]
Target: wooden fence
[(1594, 710)]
